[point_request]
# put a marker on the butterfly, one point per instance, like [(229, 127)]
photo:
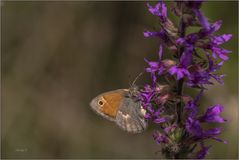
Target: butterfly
[(122, 107)]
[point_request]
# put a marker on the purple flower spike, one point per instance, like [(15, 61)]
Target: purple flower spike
[(212, 114), (159, 10), (196, 59)]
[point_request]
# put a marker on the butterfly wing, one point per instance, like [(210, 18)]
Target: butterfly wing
[(130, 116), (107, 104)]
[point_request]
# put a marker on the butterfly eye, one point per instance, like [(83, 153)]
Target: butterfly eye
[(100, 103)]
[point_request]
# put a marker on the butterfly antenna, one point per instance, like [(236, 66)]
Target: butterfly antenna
[(140, 74), (129, 81)]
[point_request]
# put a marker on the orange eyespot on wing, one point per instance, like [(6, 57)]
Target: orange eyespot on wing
[(109, 103)]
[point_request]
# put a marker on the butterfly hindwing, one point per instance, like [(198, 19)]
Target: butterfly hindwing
[(130, 116)]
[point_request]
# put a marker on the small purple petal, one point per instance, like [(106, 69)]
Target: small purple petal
[(150, 34), (170, 128), (179, 75), (161, 120), (186, 58), (180, 41), (213, 28), (193, 127), (216, 26), (203, 152), (222, 53), (202, 19), (147, 116), (156, 114), (180, 72), (161, 34), (159, 138), (161, 70), (211, 66), (192, 38), (173, 70), (212, 132), (218, 78), (221, 39), (199, 95), (219, 140), (160, 52)]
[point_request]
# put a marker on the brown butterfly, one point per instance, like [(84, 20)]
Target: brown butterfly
[(121, 107)]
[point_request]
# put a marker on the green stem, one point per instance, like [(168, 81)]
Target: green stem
[(182, 30)]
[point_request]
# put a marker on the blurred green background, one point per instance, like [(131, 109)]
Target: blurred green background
[(56, 56)]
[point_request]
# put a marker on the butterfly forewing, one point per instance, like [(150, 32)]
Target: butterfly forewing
[(107, 104)]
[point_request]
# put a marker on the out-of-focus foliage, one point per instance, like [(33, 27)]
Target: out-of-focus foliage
[(56, 56)]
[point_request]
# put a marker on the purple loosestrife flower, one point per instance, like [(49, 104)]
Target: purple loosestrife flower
[(220, 52), (149, 98), (185, 60), (191, 105), (159, 10), (164, 38), (193, 127), (217, 40), (161, 120), (203, 20), (180, 71), (196, 59), (212, 114), (156, 66), (168, 31), (213, 28), (198, 78)]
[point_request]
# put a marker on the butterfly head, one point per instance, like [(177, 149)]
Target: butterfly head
[(134, 89)]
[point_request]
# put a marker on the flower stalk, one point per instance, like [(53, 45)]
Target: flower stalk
[(182, 30)]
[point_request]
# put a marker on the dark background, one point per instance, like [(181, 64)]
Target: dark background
[(56, 56)]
